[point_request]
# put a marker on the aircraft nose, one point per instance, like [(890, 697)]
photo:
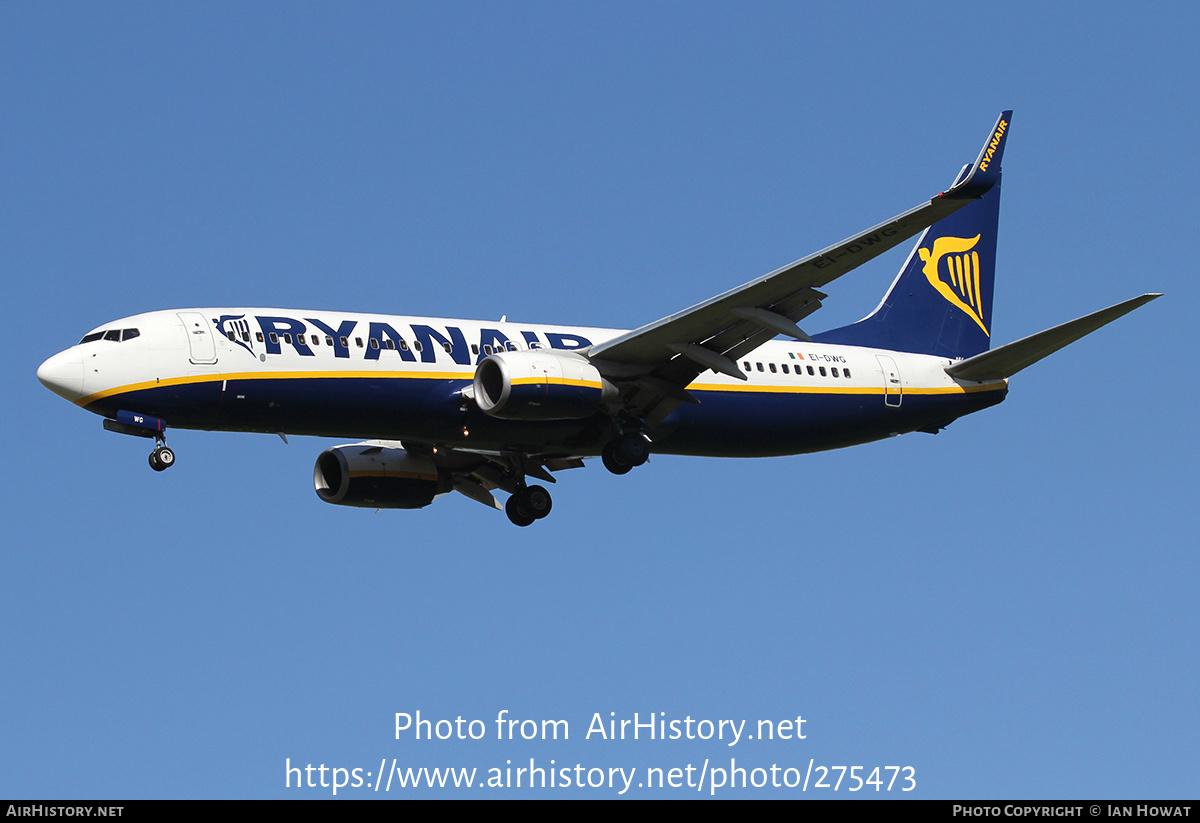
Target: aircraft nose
[(63, 374)]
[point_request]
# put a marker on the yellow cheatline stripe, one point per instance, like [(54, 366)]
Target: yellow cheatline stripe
[(558, 381), (846, 389), (468, 376)]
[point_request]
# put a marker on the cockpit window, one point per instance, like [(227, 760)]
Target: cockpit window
[(116, 335)]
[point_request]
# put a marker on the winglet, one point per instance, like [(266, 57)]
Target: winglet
[(985, 172)]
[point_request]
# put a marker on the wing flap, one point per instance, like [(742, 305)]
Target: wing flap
[(747, 336)]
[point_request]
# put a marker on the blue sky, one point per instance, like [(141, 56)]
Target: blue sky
[(1008, 607)]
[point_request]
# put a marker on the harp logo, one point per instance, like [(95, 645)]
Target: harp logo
[(958, 279), (235, 328)]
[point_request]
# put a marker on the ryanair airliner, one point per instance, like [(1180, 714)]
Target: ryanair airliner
[(453, 405)]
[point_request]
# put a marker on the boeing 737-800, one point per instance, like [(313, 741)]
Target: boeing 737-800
[(454, 405)]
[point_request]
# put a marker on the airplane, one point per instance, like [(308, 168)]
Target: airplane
[(445, 405)]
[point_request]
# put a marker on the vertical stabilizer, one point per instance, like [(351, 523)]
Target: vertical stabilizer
[(941, 302)]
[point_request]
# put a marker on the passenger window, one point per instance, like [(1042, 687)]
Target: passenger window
[(845, 373), (358, 342), (822, 371), (810, 371), (760, 368), (287, 338), (329, 340), (771, 366), (274, 337), (416, 345), (374, 343), (258, 336), (487, 349), (345, 343), (785, 368), (746, 365), (231, 336), (390, 343), (245, 336), (474, 348), (448, 347), (512, 346), (403, 344), (834, 370)]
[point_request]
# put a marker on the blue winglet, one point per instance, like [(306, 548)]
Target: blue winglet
[(985, 172)]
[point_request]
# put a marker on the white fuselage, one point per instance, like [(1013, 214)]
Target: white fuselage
[(407, 378)]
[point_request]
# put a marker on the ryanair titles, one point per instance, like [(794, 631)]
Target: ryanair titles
[(993, 145), (371, 339)]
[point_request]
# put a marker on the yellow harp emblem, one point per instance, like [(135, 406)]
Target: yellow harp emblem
[(960, 283)]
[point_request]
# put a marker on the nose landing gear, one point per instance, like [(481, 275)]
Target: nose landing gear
[(143, 425), (162, 458)]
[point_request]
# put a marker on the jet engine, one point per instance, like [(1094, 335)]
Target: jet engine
[(377, 477), (540, 385)]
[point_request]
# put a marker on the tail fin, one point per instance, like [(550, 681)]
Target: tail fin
[(941, 302)]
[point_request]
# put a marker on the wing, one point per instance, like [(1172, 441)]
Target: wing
[(656, 362)]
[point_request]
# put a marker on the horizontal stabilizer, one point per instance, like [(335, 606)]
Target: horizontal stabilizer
[(1007, 360)]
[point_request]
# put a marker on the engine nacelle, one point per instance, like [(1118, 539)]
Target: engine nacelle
[(540, 385), (377, 477)]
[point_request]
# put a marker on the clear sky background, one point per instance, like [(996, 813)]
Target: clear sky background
[(1009, 607)]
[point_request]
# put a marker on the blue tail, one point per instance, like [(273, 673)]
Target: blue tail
[(941, 302)]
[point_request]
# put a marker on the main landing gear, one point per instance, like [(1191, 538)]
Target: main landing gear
[(162, 458), (625, 451), (528, 504)]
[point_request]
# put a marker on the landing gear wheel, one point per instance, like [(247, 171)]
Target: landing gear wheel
[(612, 463), (162, 458), (528, 504), (536, 501), (632, 448), (516, 513)]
